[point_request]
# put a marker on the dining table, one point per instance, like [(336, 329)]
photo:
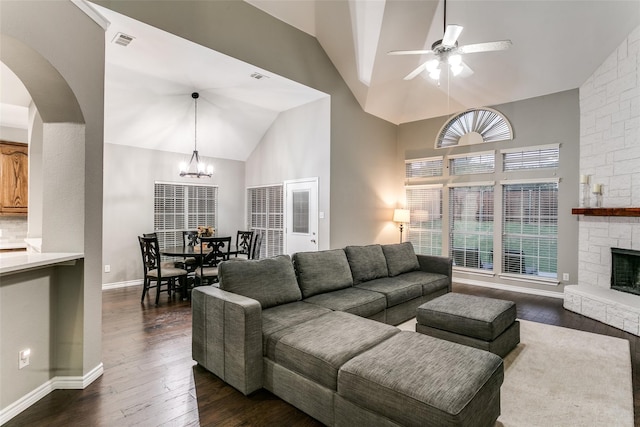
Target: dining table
[(186, 252)]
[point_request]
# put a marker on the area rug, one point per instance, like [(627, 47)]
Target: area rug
[(564, 377)]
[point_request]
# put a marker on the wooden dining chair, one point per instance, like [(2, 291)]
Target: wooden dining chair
[(220, 250), (155, 271), (244, 240), (256, 246), (190, 238)]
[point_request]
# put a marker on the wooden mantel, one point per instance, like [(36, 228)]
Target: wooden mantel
[(606, 211)]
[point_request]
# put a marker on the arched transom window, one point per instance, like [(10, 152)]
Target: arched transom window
[(474, 126)]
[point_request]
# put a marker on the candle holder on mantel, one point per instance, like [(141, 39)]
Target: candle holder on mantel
[(597, 190), (585, 201)]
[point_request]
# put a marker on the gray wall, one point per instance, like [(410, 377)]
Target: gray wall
[(58, 53), (543, 120), (297, 146), (129, 176), (365, 185)]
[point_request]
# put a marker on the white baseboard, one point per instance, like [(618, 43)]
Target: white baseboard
[(55, 383), (125, 284), (539, 292)]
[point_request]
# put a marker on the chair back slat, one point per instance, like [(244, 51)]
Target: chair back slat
[(190, 238), (257, 244), (150, 250), (220, 249), (244, 239)]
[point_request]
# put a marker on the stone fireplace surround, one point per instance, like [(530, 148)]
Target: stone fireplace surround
[(610, 153)]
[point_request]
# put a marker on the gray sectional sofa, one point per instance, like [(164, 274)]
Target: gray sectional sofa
[(316, 330)]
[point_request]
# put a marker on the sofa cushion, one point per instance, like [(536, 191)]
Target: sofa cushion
[(283, 316), (366, 262), (322, 271), (401, 258), (411, 378), (317, 348), (360, 302), (430, 282), (270, 281), (394, 289)]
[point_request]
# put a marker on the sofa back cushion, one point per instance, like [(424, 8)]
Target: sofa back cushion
[(401, 258), (366, 263), (320, 272), (270, 281)]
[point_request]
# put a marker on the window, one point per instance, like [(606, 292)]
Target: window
[(468, 164), (425, 229), (423, 168), (179, 207), (530, 229), (471, 226), (265, 215), (474, 126), (531, 158)]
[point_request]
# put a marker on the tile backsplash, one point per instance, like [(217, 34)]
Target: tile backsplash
[(13, 229)]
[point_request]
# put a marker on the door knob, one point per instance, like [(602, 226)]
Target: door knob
[(313, 240)]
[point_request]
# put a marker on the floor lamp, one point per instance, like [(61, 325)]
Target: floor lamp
[(401, 216)]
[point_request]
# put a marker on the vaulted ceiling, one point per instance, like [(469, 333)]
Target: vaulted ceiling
[(557, 45)]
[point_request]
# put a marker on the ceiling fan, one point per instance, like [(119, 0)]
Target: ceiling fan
[(448, 51)]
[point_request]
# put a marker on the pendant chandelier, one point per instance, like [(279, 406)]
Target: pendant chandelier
[(195, 168)]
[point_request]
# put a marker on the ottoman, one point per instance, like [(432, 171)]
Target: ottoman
[(485, 323), (416, 380)]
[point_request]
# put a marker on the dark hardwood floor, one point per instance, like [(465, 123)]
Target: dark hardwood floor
[(150, 379)]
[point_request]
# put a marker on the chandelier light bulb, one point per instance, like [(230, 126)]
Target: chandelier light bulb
[(183, 166), (210, 169)]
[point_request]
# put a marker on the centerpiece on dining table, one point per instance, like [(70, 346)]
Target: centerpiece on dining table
[(204, 231)]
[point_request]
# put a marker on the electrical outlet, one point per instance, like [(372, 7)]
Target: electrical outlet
[(23, 358), (565, 277), (107, 268)]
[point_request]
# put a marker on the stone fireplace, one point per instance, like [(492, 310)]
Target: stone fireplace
[(610, 154)]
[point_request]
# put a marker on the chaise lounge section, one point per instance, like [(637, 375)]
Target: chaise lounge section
[(320, 336)]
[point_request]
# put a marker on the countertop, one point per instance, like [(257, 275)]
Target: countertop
[(15, 262)]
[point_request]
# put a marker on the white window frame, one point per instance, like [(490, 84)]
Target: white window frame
[(526, 277), (417, 230), (190, 220), (270, 220)]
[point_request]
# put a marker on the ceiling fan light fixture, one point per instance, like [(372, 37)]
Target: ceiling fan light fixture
[(455, 60), (432, 65), (435, 74)]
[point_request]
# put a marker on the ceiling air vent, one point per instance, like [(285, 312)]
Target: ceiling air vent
[(122, 39), (259, 76)]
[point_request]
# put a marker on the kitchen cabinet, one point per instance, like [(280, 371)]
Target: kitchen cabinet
[(14, 178)]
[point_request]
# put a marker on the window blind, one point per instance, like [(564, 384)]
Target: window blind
[(530, 229), (534, 158), (265, 215), (471, 226), (423, 168), (425, 229), (472, 163), (179, 207)]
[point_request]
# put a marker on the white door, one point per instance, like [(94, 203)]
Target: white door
[(301, 197)]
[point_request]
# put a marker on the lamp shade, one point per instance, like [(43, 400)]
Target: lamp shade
[(401, 215)]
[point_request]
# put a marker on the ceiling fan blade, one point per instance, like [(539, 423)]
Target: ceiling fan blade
[(409, 52), (485, 47), (466, 70), (451, 35), (415, 72)]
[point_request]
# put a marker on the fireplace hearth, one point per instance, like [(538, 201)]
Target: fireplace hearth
[(625, 270)]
